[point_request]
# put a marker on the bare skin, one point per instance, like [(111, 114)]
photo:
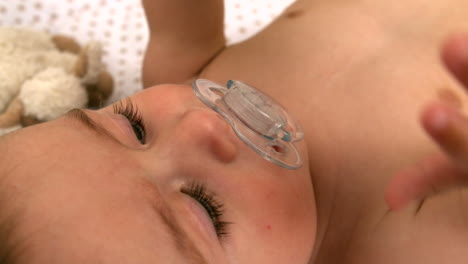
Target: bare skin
[(357, 75), (81, 193)]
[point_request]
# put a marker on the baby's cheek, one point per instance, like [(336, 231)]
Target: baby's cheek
[(285, 221)]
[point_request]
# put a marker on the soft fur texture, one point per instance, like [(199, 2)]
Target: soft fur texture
[(44, 76), (55, 89)]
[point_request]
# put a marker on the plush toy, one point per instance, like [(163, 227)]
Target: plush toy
[(43, 76)]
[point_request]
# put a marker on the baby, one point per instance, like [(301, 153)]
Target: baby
[(161, 178)]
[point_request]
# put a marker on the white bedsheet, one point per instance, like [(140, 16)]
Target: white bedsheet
[(121, 27)]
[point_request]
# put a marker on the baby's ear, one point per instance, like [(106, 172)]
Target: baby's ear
[(12, 115)]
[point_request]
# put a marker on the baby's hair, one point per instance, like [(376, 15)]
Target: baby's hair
[(8, 247), (7, 254), (8, 216), (7, 250)]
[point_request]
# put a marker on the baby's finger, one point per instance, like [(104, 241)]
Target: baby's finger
[(455, 56), (429, 176), (449, 128)]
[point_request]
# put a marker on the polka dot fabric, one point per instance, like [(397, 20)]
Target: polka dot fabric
[(121, 27), (118, 24), (245, 18)]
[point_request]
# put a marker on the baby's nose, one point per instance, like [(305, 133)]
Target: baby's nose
[(206, 130)]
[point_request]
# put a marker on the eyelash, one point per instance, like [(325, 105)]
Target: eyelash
[(213, 207), (130, 111)]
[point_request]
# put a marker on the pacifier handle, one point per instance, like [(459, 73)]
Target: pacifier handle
[(257, 119)]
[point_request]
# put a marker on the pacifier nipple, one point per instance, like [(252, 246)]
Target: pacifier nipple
[(256, 118)]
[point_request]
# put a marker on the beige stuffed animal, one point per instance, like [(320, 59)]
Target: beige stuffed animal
[(44, 76)]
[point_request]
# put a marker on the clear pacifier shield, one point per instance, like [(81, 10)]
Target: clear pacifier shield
[(256, 118)]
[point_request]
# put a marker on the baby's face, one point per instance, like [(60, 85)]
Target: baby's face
[(184, 188)]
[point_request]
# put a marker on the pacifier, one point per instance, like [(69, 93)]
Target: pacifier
[(257, 119)]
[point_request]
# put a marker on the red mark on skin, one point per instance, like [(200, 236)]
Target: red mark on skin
[(268, 227)]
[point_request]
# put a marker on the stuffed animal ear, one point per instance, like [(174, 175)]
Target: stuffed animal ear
[(29, 121), (81, 65), (100, 91), (89, 65), (105, 84), (12, 115), (65, 43)]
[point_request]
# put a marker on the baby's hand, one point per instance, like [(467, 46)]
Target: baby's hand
[(449, 129)]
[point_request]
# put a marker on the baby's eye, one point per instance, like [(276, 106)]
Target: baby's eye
[(130, 111), (212, 206), (139, 130)]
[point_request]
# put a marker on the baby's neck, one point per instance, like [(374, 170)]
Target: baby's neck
[(340, 219)]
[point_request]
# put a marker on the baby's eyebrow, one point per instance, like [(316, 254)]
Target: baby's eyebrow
[(182, 241), (88, 122)]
